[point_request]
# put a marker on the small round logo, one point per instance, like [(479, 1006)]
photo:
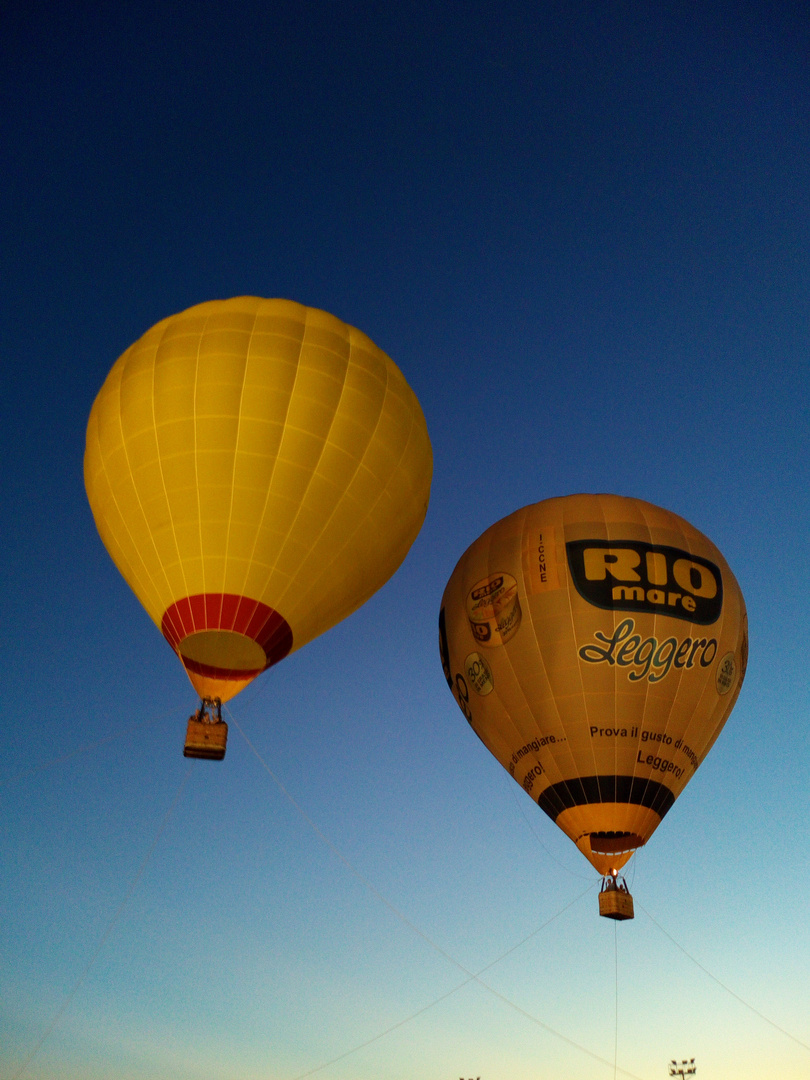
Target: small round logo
[(726, 674), (478, 674)]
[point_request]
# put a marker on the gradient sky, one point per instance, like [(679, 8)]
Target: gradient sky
[(581, 230)]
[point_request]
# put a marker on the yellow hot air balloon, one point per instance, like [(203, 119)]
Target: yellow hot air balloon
[(596, 644), (256, 469)]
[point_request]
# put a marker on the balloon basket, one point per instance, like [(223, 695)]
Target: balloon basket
[(615, 902), (207, 733)]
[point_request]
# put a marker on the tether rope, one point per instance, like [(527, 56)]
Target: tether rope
[(110, 926), (122, 733), (722, 985), (616, 992), (516, 794), (471, 976)]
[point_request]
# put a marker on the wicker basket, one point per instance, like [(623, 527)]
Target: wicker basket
[(206, 740)]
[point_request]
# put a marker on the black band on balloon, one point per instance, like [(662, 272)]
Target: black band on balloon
[(605, 789)]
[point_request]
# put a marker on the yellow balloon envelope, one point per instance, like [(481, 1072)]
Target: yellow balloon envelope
[(596, 644), (257, 470)]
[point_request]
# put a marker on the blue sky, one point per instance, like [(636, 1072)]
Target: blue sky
[(582, 232)]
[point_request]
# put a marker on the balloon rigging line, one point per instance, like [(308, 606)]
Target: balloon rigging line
[(407, 922), (443, 997), (536, 835), (722, 985), (85, 747), (110, 926), (616, 995), (331, 846), (545, 1027)]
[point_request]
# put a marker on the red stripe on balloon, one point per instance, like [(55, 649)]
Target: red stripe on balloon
[(226, 611)]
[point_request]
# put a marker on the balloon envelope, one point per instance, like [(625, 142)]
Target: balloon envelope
[(256, 469), (596, 644)]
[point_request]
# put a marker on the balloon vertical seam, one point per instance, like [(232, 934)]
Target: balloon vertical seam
[(233, 469), (282, 546), (163, 603)]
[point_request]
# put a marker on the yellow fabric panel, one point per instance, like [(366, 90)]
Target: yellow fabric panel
[(260, 449), (612, 638)]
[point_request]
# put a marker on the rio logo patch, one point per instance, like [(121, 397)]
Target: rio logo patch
[(629, 575)]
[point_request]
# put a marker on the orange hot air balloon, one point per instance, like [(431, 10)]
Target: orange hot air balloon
[(256, 469), (596, 644)]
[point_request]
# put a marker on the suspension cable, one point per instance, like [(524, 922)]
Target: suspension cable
[(616, 994), (722, 985), (110, 926), (471, 976), (85, 747)]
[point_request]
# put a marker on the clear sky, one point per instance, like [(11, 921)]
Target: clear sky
[(581, 230)]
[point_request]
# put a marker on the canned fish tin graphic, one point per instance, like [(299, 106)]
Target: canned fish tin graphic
[(493, 609)]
